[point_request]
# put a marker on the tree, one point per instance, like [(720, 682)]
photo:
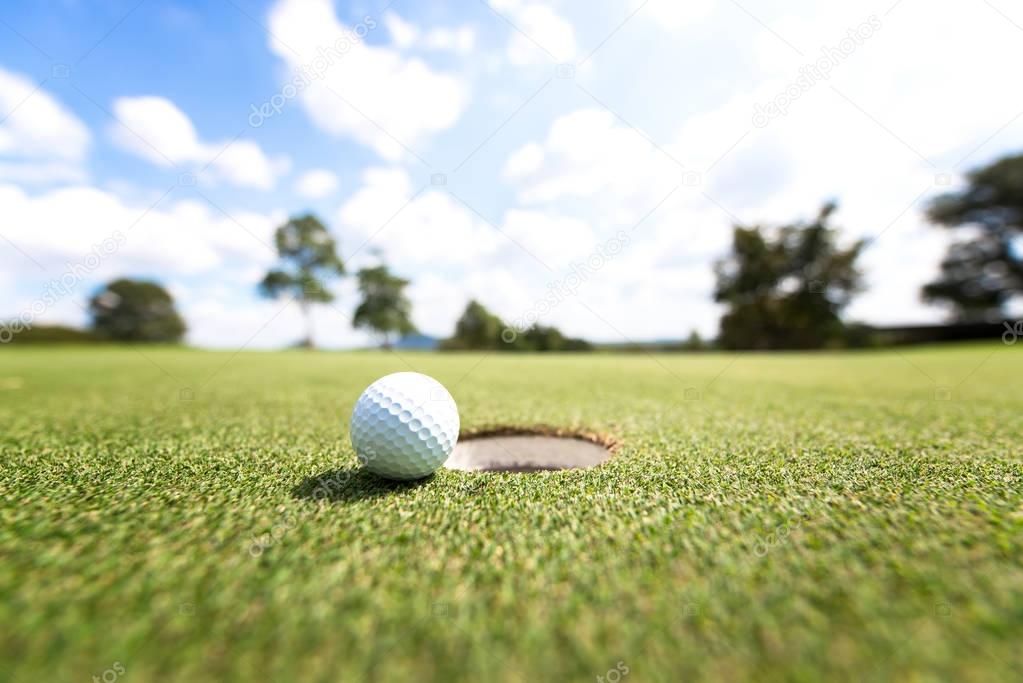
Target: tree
[(52, 334), (478, 328), (308, 255), (384, 308), (982, 273), (136, 310), (542, 338), (694, 342), (785, 287)]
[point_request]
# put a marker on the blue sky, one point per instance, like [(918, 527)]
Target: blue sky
[(558, 126)]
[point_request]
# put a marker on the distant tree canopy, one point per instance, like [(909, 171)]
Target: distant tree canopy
[(542, 338), (308, 259), (384, 308), (785, 287), (137, 311), (479, 329), (981, 273), (694, 342), (55, 334)]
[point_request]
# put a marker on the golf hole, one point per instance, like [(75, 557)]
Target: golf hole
[(514, 449)]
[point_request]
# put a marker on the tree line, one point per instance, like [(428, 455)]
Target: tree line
[(783, 287), (308, 260)]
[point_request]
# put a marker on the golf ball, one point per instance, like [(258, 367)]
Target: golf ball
[(404, 426)]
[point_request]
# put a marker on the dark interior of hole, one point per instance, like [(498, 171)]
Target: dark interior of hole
[(518, 452), (521, 468)]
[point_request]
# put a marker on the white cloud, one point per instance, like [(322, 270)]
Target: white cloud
[(217, 319), (414, 227), (524, 162), (180, 237), (460, 40), (156, 130), (41, 141), (556, 241), (539, 33), (437, 301), (451, 254), (893, 297), (244, 163), (403, 33), (588, 154), (406, 35), (673, 14), (174, 242), (317, 183), (41, 172), (371, 93)]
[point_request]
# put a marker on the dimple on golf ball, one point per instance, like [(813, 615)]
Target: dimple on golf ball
[(404, 426)]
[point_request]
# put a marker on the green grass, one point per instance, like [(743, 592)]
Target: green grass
[(790, 517)]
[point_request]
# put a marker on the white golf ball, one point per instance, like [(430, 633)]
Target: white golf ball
[(404, 426)]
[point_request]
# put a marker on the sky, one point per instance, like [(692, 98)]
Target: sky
[(576, 162)]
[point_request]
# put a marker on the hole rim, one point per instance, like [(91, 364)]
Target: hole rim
[(606, 441)]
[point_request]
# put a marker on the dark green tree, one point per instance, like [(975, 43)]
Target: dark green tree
[(694, 342), (785, 287), (981, 273), (543, 338), (308, 258), (478, 328), (384, 308), (136, 311)]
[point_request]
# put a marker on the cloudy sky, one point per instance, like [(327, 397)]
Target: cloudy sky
[(486, 150)]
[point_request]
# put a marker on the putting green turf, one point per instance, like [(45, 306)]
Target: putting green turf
[(770, 517)]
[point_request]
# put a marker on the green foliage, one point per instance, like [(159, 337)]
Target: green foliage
[(542, 338), (308, 260), (136, 311), (52, 334), (479, 329), (982, 273), (785, 287), (384, 308), (694, 342)]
